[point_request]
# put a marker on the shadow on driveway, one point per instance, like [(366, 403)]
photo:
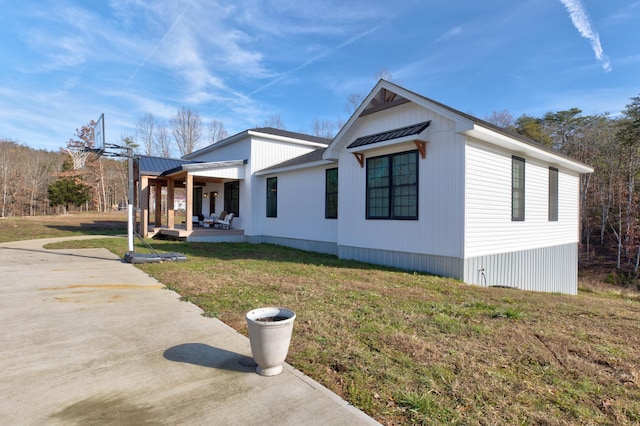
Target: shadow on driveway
[(209, 356)]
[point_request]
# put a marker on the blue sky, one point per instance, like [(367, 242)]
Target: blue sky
[(244, 61)]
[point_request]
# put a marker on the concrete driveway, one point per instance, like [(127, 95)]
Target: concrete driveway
[(88, 339)]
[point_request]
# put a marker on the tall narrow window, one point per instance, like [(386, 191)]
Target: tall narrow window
[(517, 188), (331, 194), (272, 197), (232, 197), (197, 201), (392, 186), (553, 194)]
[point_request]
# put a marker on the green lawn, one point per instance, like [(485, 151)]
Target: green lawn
[(417, 349)]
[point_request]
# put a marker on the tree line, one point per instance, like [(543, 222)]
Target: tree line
[(39, 182)]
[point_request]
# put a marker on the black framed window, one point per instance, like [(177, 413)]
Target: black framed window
[(517, 189), (272, 197), (553, 194), (232, 197), (197, 201), (331, 194), (392, 186)]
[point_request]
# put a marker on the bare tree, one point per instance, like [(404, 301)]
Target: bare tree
[(186, 128), (275, 121), (383, 74), (36, 175), (217, 131), (145, 131), (162, 140), (324, 128), (353, 102), (94, 168), (502, 119), (355, 99), (10, 161)]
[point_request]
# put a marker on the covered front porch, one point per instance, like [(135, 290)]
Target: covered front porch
[(174, 201)]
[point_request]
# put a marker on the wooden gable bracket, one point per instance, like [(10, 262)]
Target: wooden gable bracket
[(360, 157), (422, 148)]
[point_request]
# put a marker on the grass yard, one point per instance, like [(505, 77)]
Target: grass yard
[(416, 349)]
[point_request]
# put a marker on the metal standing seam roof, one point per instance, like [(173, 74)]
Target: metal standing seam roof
[(158, 165), (401, 132)]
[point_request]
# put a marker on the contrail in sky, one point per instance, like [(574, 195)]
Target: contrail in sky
[(133, 75), (316, 58), (582, 23)]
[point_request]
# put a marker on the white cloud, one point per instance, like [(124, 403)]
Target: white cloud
[(455, 31), (582, 23)]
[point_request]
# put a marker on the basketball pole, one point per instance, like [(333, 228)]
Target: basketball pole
[(99, 138), (130, 201), (130, 195)]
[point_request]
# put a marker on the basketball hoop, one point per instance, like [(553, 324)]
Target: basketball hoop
[(79, 156)]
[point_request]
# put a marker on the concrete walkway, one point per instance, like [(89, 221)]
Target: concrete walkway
[(87, 339)]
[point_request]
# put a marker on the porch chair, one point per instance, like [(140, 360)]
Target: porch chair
[(208, 222), (197, 220), (224, 223)]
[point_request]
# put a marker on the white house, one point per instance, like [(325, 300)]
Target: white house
[(411, 183)]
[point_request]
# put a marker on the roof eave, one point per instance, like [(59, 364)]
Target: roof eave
[(250, 132), (227, 141), (462, 123), (294, 167), (212, 165), (286, 139), (525, 149)]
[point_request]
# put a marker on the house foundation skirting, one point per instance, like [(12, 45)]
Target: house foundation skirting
[(306, 245), (437, 265), (549, 269)]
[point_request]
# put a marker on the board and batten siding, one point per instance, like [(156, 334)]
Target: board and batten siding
[(268, 152), (239, 150), (488, 224), (439, 228), (535, 254), (301, 207)]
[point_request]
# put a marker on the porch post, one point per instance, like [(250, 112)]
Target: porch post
[(144, 206), (158, 195), (189, 191), (170, 204)]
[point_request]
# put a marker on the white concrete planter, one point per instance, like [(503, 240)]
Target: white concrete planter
[(270, 334)]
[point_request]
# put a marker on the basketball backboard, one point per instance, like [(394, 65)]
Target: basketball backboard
[(98, 135)]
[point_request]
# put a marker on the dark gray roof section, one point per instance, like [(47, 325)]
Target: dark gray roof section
[(295, 135), (156, 166), (414, 129), (309, 157)]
